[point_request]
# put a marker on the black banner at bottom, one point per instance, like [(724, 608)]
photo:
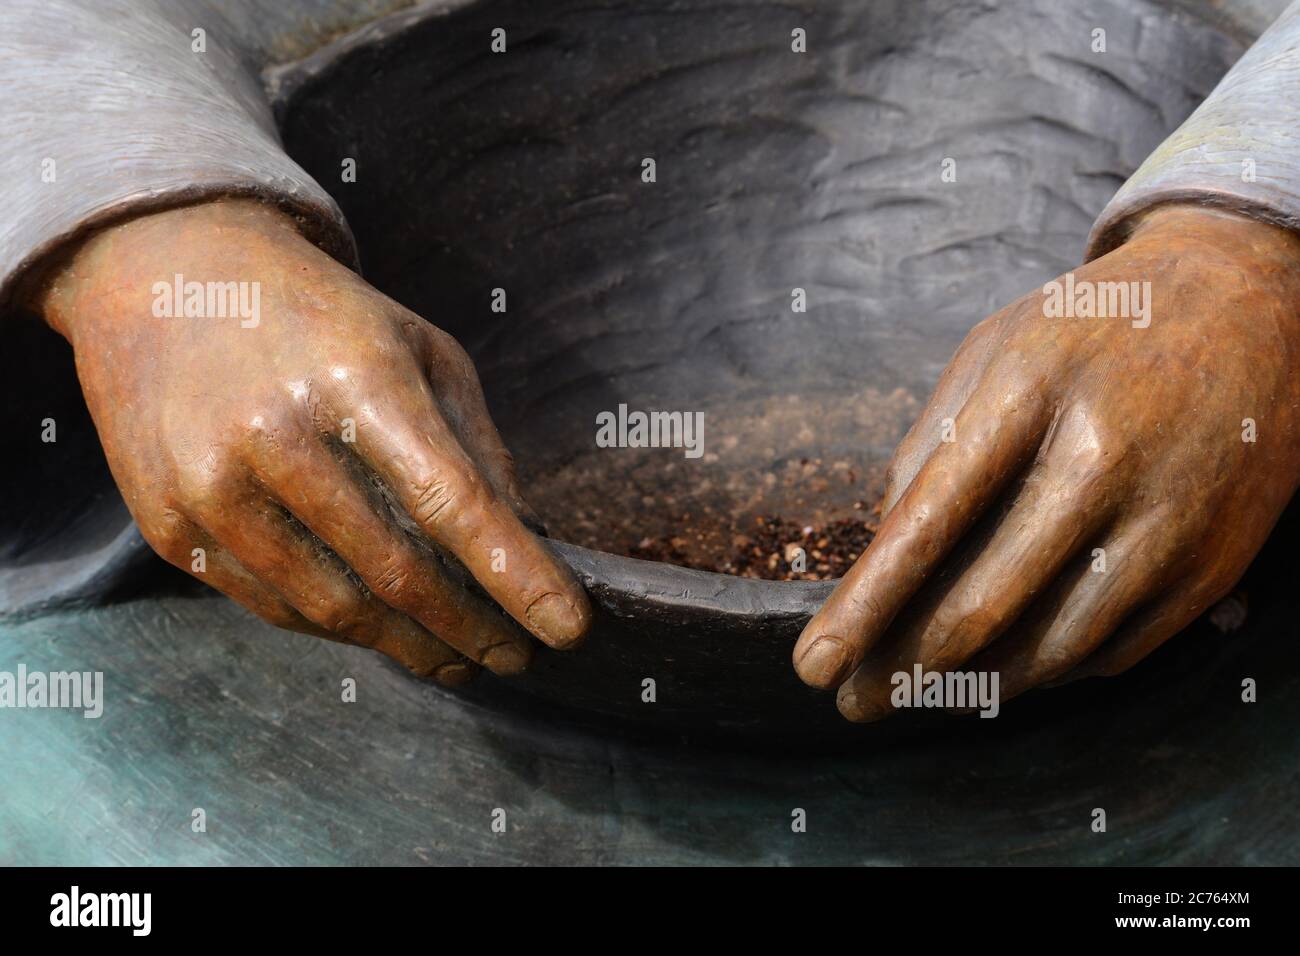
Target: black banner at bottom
[(335, 906)]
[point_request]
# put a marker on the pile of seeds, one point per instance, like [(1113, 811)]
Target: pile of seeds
[(775, 549)]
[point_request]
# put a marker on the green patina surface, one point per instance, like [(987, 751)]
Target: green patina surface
[(207, 708)]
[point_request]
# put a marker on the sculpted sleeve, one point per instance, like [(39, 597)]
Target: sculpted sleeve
[(113, 107), (1240, 150)]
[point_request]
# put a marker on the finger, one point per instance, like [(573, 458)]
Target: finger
[(953, 390), (230, 578), (459, 395), (1062, 505), (193, 550), (437, 485), (1083, 611), (315, 583), (1147, 629), (187, 546), (993, 440), (325, 489)]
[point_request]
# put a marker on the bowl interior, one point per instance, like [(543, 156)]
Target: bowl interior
[(774, 171), (776, 175)]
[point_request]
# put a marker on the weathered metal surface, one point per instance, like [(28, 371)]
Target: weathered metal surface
[(207, 707), (818, 172)]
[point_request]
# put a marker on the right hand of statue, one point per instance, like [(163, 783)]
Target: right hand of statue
[(321, 459)]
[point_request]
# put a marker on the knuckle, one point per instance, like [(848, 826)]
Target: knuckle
[(1021, 389), (309, 405), (1089, 462), (393, 580), (170, 534), (206, 491), (441, 500), (271, 425), (1086, 453), (980, 333), (1015, 383), (344, 614), (451, 364), (433, 501), (445, 346), (1096, 462)]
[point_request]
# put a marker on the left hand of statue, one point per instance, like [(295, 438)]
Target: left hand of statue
[(1078, 490)]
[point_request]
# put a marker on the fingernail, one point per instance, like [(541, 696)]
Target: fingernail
[(453, 673), (825, 661), (556, 621), (854, 708), (863, 709), (506, 658)]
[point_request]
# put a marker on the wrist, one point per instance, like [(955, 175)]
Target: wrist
[(111, 273), (1188, 228)]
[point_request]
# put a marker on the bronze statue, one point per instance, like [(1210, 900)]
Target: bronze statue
[(336, 472)]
